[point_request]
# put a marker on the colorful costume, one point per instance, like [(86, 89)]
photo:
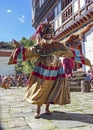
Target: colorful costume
[(68, 65), (47, 82)]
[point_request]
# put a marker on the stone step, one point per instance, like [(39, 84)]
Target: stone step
[(75, 82)]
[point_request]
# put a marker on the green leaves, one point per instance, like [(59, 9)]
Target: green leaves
[(27, 66)]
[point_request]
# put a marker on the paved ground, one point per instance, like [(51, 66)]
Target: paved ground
[(18, 115)]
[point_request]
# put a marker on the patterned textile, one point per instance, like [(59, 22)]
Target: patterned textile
[(47, 82), (42, 90), (40, 50), (68, 65), (17, 55), (55, 47), (47, 49), (45, 28), (48, 72), (79, 57)]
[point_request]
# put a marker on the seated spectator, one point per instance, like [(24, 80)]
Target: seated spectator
[(91, 69), (88, 76), (6, 82)]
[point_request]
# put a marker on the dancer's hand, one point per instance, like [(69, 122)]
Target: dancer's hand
[(16, 43)]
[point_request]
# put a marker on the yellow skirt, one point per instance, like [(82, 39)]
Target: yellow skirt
[(41, 91)]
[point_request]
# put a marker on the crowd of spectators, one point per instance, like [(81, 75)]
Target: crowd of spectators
[(18, 80)]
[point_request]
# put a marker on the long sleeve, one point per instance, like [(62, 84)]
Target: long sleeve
[(23, 54), (46, 49), (55, 47), (79, 57)]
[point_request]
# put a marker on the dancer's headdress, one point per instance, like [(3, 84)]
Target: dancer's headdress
[(45, 28)]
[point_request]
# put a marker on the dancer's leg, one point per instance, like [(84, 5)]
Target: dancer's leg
[(47, 111), (37, 114)]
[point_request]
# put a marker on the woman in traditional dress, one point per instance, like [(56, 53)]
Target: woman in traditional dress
[(47, 82)]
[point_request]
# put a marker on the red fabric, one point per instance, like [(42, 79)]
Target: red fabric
[(18, 50), (23, 53), (68, 64), (48, 67), (39, 29), (47, 77), (83, 60), (16, 54), (81, 56)]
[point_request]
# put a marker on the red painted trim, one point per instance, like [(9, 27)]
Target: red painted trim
[(5, 53)]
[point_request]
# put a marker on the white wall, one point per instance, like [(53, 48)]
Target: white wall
[(6, 69), (88, 43)]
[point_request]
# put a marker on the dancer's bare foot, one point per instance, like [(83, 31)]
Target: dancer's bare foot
[(37, 114)]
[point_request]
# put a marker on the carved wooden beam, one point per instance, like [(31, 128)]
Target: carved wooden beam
[(87, 28)]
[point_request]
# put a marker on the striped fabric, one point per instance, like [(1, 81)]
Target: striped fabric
[(79, 57), (48, 72), (19, 55)]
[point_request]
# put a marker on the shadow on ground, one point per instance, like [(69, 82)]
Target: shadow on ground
[(57, 115)]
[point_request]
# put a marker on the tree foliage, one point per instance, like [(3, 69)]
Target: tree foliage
[(27, 66), (27, 42), (21, 67)]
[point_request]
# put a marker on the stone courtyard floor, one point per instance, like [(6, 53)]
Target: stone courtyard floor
[(16, 114)]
